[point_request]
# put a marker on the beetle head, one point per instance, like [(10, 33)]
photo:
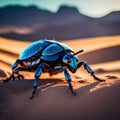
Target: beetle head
[(71, 61)]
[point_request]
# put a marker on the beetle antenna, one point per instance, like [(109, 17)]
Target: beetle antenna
[(78, 52)]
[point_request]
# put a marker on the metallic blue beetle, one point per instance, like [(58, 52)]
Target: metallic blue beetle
[(48, 56)]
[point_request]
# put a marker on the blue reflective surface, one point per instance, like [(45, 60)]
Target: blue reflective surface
[(74, 62), (50, 47), (33, 49), (52, 50), (71, 60), (66, 47), (50, 58)]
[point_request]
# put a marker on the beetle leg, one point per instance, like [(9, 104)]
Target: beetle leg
[(16, 71), (35, 83), (15, 64), (68, 78), (89, 70), (12, 77)]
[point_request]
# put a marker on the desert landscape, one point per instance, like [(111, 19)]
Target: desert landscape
[(32, 23), (53, 101)]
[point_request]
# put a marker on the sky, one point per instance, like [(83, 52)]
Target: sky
[(92, 8)]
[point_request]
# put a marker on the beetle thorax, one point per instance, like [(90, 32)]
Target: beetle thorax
[(71, 61)]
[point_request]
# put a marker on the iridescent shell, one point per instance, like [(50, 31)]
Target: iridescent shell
[(47, 50)]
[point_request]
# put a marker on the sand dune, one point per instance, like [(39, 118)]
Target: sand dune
[(94, 100), (102, 55)]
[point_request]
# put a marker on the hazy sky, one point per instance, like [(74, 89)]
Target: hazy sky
[(93, 8)]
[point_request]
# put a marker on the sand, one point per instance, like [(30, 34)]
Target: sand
[(53, 101)]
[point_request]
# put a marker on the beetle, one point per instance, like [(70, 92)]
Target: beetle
[(48, 56)]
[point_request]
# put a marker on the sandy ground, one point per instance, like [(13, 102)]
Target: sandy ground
[(94, 100)]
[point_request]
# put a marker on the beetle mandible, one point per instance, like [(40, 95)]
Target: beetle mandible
[(48, 56)]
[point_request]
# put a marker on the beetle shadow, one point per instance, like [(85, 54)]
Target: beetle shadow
[(52, 82), (46, 83)]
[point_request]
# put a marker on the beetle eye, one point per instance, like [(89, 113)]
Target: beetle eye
[(76, 60), (68, 61)]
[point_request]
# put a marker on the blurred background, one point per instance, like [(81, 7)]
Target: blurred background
[(32, 20)]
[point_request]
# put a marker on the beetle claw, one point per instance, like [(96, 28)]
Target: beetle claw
[(74, 93), (71, 88), (20, 77), (8, 79), (12, 77), (33, 92), (31, 97), (98, 79)]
